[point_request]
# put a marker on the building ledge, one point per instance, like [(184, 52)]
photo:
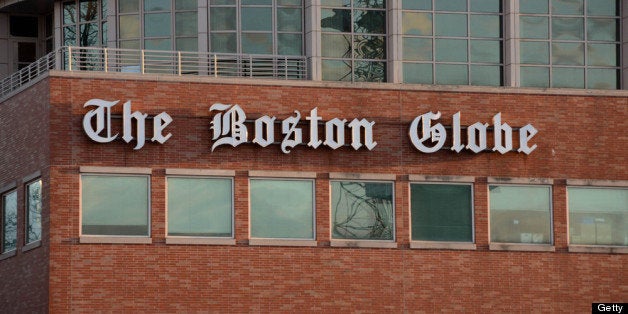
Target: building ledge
[(521, 247), (364, 244), (436, 245), (8, 254), (115, 240), (282, 242), (31, 246), (200, 241), (598, 249)]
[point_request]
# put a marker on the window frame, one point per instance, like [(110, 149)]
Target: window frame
[(116, 172), (4, 192), (592, 184), (100, 20), (522, 182), (283, 176), (201, 174), (27, 225), (458, 181)]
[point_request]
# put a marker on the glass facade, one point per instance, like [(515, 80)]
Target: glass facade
[(362, 210), (353, 40), (452, 42), (115, 205), (9, 222), (520, 214), (598, 216), (33, 211), (85, 23), (200, 207)]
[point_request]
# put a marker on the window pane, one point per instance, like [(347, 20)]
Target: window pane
[(158, 44), (130, 44), (575, 7), (568, 28), (336, 70), (187, 44), (186, 24), (534, 52), (336, 3), (602, 29), (419, 73), (441, 212), (603, 78), (450, 5), (417, 4), (257, 43), (362, 210), (568, 77), (598, 216), (485, 51), (486, 26), (603, 7), (602, 55), (88, 10), (69, 36), (289, 44), (336, 45), (186, 4), (417, 49), (568, 53), (222, 19), (453, 25), (69, 13), (128, 6), (371, 21), (199, 207), (289, 2), (9, 221), (224, 42), (282, 209), (451, 50), (289, 20), (157, 5), (129, 26), (336, 20), (415, 23), (369, 47), (534, 77), (520, 214), (115, 205), (256, 2), (89, 35), (369, 3), (369, 71), (33, 212), (486, 75), (534, 27), (452, 74), (157, 24), (493, 6), (256, 19), (533, 6)]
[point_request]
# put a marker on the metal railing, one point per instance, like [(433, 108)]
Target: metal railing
[(159, 62)]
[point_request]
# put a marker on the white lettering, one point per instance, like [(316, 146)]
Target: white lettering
[(263, 125), (472, 137), (289, 128), (457, 146), (103, 119), (127, 123), (335, 139), (229, 128), (436, 133), (160, 122), (356, 138), (502, 144), (525, 135), (314, 118)]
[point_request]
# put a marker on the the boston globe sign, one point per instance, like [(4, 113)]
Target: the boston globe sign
[(230, 127)]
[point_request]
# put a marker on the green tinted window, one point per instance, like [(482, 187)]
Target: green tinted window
[(441, 212), (598, 216)]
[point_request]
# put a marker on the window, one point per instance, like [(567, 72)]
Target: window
[(148, 24), (353, 40), (362, 210), (570, 43), (33, 211), (256, 26), (9, 222), (115, 205), (282, 209), (452, 42), (200, 207), (85, 26), (441, 212), (598, 216), (520, 214)]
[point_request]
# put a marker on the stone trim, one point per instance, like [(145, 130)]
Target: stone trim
[(597, 183), (440, 245), (282, 242), (539, 181), (521, 247), (200, 172), (115, 240), (31, 246), (364, 244), (281, 174), (598, 249), (200, 241), (362, 176), (115, 170), (433, 178)]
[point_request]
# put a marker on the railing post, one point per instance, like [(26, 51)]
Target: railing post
[(142, 61), (215, 66), (70, 58), (106, 61), (286, 67), (179, 63), (250, 66)]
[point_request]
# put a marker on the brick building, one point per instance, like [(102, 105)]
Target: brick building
[(176, 171)]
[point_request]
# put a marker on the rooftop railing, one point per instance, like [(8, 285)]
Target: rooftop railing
[(158, 62)]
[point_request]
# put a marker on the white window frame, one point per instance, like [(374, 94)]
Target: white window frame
[(4, 191)]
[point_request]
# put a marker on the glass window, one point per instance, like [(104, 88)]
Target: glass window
[(282, 208), (256, 27), (33, 211), (441, 212), (453, 42), (200, 207), (115, 205), (575, 37), (598, 216), (520, 214), (353, 40), (9, 221), (362, 210), (83, 27)]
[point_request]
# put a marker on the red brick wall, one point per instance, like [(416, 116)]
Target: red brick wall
[(24, 151), (580, 137)]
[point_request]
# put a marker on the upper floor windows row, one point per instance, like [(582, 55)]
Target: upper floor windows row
[(9, 208)]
